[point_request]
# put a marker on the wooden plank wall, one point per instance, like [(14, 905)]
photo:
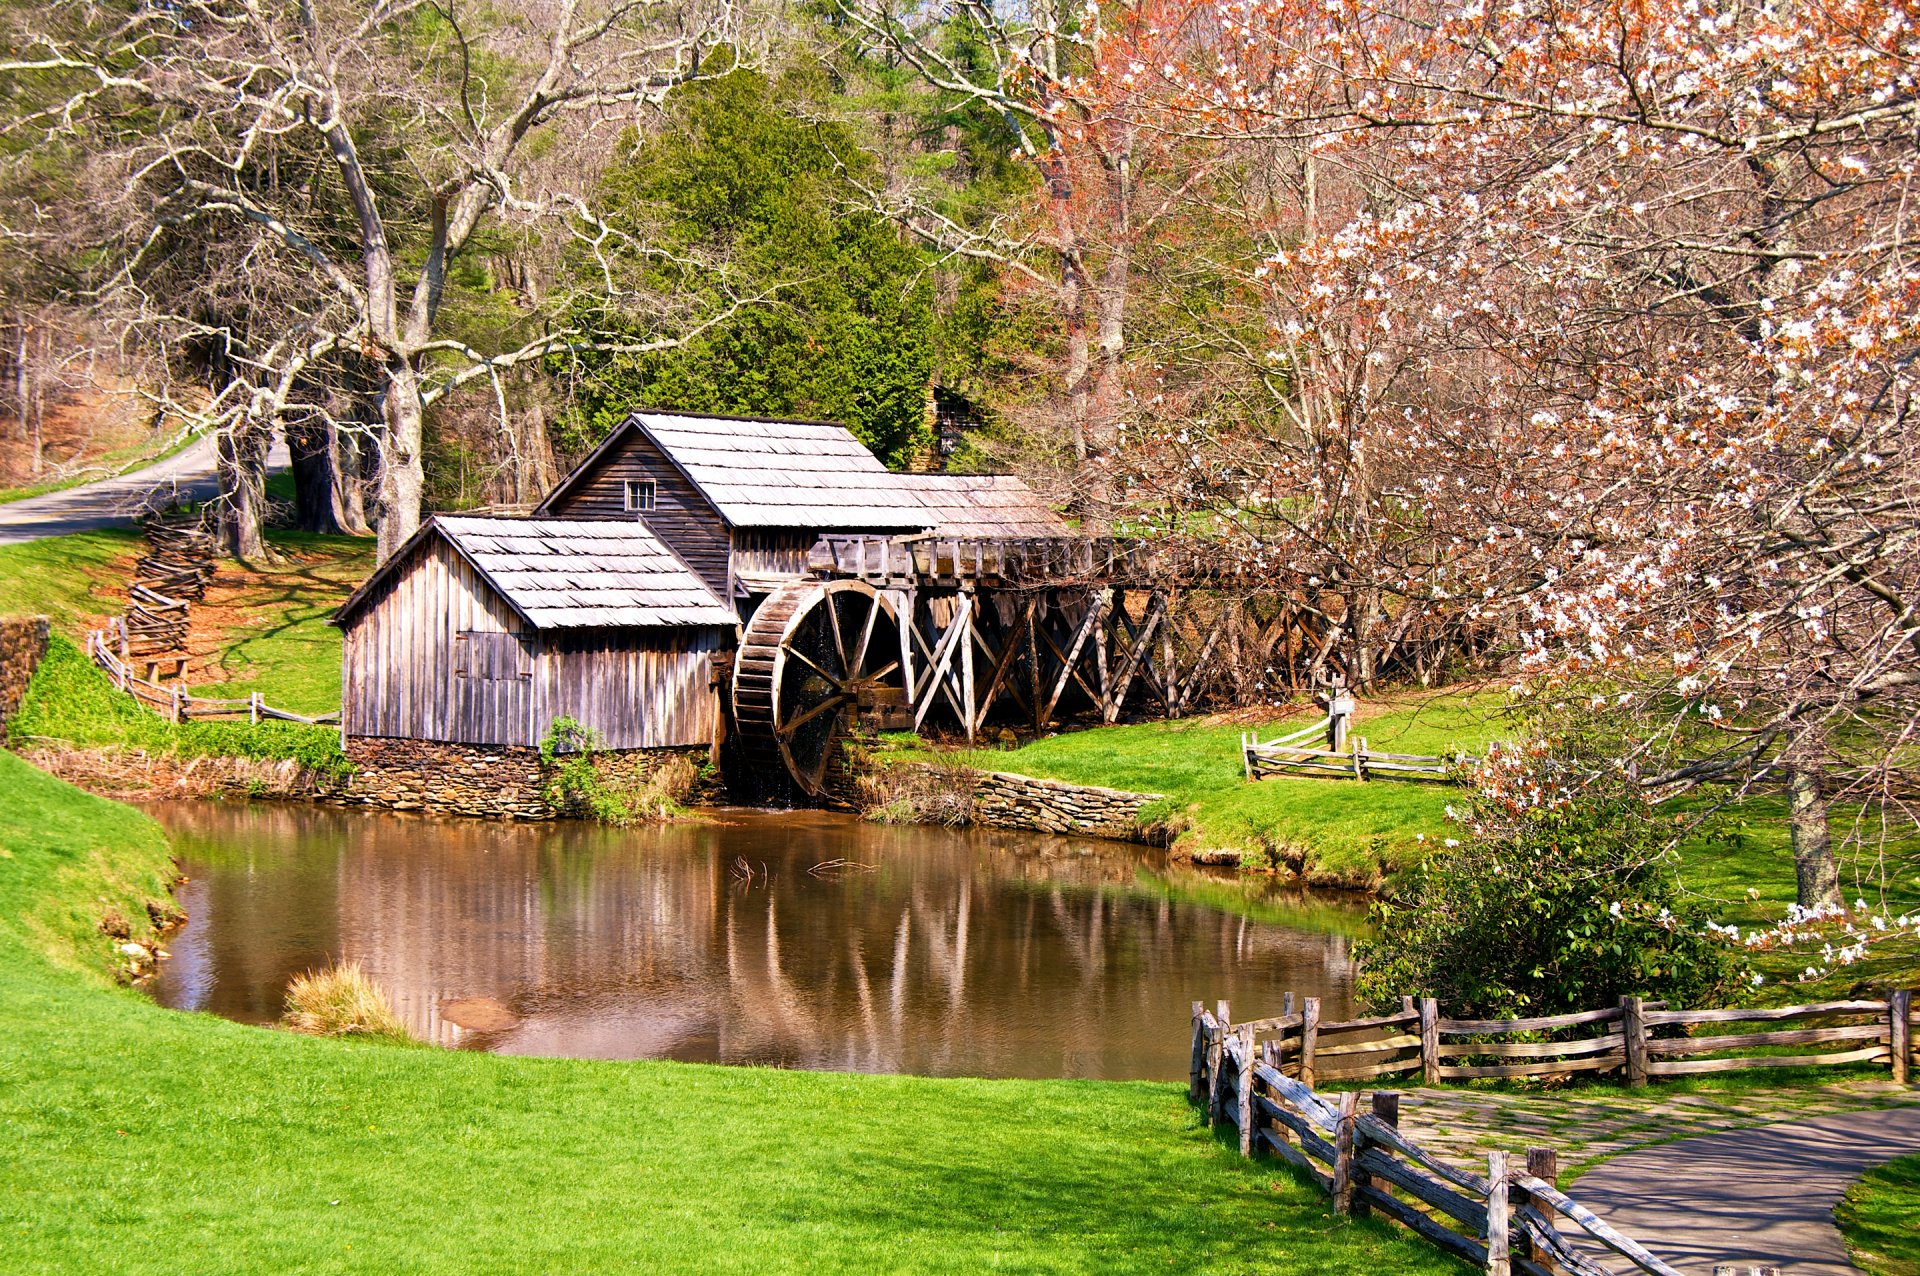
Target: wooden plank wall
[(403, 669), (681, 516), (640, 689), (399, 674), (771, 551)]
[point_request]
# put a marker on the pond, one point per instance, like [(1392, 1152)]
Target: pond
[(797, 939)]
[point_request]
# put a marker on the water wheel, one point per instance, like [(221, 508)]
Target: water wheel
[(814, 654)]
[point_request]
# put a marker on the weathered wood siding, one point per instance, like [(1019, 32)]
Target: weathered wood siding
[(772, 551), (640, 689), (681, 516), (401, 671), (408, 674)]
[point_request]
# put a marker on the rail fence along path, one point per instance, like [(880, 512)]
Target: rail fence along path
[(1636, 1040), (1512, 1219)]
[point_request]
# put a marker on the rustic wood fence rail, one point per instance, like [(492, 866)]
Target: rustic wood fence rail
[(173, 702), (1636, 1040), (1511, 1220)]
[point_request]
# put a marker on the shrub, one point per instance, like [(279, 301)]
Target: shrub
[(576, 784), (1560, 896), (342, 1002)]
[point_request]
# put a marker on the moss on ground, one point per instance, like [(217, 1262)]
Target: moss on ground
[(146, 1140)]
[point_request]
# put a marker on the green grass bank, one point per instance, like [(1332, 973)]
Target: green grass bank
[(145, 1140), (1880, 1217)]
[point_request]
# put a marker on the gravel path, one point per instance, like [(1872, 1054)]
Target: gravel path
[(1756, 1197), (111, 502)]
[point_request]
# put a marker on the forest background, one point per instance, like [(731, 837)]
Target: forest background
[(1568, 345)]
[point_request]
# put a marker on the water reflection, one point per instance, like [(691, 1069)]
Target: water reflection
[(798, 939)]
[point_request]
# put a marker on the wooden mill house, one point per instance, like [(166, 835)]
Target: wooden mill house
[(621, 600)]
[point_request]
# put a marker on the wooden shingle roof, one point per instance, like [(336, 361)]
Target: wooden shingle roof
[(764, 473), (570, 574), (983, 505)]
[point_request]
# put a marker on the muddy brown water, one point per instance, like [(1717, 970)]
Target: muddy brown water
[(796, 939)]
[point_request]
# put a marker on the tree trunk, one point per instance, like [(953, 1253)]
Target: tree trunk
[(402, 476), (241, 463), (316, 477), (1815, 871)]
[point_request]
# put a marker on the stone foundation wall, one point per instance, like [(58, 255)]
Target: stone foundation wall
[(23, 641), (1008, 801), (475, 779)]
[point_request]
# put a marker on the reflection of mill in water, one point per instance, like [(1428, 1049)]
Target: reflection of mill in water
[(924, 951)]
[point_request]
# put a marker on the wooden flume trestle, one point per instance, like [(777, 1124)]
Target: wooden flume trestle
[(951, 635)]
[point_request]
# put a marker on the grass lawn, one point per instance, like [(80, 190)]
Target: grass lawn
[(261, 628), (1880, 1217), (145, 1140), (1352, 833)]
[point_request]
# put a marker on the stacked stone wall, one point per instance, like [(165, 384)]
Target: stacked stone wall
[(23, 642), (494, 781)]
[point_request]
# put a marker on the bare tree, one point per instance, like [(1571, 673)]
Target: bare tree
[(282, 196)]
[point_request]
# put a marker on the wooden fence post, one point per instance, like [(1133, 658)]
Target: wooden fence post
[(1900, 1033), (253, 708), (1198, 1070), (1216, 1052), (1542, 1164), (1386, 1107), (1429, 1041), (1309, 1038), (1243, 1097), (1499, 1254), (1343, 1153), (1633, 1025)]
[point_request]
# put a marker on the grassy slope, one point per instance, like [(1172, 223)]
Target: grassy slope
[(77, 580), (143, 1140), (1880, 1217), (1352, 832)]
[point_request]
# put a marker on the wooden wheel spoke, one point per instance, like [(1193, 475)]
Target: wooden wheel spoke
[(839, 639), (838, 682), (835, 701), (866, 638)]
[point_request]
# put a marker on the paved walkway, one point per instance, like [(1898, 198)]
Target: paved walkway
[(112, 502), (1756, 1197)]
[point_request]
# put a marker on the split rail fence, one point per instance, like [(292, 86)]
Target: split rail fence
[(1636, 1040), (173, 702), (1512, 1220), (1296, 754)]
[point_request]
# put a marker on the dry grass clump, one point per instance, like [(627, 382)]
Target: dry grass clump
[(341, 1002), (937, 792)]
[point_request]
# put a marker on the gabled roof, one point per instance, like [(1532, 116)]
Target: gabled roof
[(772, 473), (568, 574), (984, 505)]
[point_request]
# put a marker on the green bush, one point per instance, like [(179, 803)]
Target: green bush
[(70, 701), (1560, 895)]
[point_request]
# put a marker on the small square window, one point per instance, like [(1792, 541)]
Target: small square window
[(639, 495)]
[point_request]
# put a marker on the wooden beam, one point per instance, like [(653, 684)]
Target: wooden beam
[(1004, 661), (1070, 659), (940, 664), (1123, 681)]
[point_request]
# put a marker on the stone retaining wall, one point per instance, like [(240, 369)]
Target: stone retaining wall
[(23, 641), (474, 779), (1008, 801)]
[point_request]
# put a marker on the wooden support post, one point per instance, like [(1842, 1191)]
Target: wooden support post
[(1243, 1092), (1633, 1025), (1359, 744), (1499, 1253), (1309, 1038), (1542, 1164), (1429, 1041), (253, 708), (969, 636), (1900, 1034), (1198, 1070), (1343, 1154), (1386, 1107), (1216, 1051)]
